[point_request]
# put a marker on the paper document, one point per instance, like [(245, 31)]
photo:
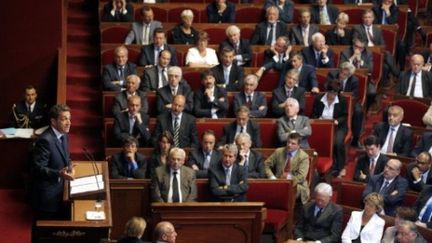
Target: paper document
[(94, 215), (17, 132), (86, 184)]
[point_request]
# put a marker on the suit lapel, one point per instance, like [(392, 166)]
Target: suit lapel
[(59, 147)]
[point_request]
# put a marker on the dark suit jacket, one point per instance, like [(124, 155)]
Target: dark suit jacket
[(421, 201), (140, 131), (252, 129), (366, 56), (255, 167), (128, 17), (48, 159), (236, 192), (203, 105), (270, 63), (37, 118), (259, 36), (244, 50), (351, 84), (286, 13), (363, 164), (307, 78), (327, 228), (147, 55), (296, 34), (279, 96), (334, 39), (110, 74), (188, 133), (121, 102), (180, 37), (160, 184), (197, 158), (164, 97), (228, 16), (402, 141), (424, 144), (258, 100), (150, 79), (404, 81), (308, 54), (391, 201), (392, 19), (359, 31), (332, 12), (419, 185), (340, 112), (119, 166), (235, 77)]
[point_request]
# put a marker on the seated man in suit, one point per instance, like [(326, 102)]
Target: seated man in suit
[(141, 32), (301, 34), (174, 182), (242, 49), (129, 163), (210, 100), (221, 11), (254, 100), (370, 163), (358, 54), (415, 82), (289, 90), (386, 12), (307, 74), (227, 73), (121, 99), (176, 86), (319, 220), (156, 77), (132, 122), (292, 122), (243, 123), (268, 31), (251, 160), (149, 55), (180, 124), (206, 156), (394, 137), (407, 232), (323, 13), (285, 7), (423, 145), (228, 180), (390, 185), (290, 162), (29, 112), (423, 202), (341, 34), (277, 56), (114, 74), (419, 173), (118, 11), (165, 232), (318, 54)]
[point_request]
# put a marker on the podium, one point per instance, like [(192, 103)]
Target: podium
[(78, 229)]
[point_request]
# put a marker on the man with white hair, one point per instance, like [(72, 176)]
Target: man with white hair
[(121, 100), (268, 31), (320, 219), (114, 74), (241, 46), (292, 122), (318, 54), (288, 90), (254, 100), (250, 159)]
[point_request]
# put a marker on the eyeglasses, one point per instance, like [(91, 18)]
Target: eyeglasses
[(422, 162)]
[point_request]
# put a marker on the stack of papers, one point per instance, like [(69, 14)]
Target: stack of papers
[(86, 184), (12, 132)]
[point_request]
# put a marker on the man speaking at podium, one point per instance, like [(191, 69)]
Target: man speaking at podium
[(51, 165)]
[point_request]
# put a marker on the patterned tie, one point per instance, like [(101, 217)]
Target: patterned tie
[(384, 187), (249, 101), (318, 214), (413, 85), (270, 36), (372, 167), (288, 93), (175, 191), (390, 141), (176, 131), (369, 34), (287, 167)]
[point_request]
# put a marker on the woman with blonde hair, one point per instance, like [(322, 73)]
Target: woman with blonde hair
[(134, 230)]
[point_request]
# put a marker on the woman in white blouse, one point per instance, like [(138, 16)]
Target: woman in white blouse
[(201, 55), (366, 225)]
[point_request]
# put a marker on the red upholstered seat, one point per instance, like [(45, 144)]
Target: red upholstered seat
[(249, 15), (203, 191), (355, 15), (322, 141), (216, 126), (350, 194), (151, 100), (193, 79), (410, 198), (107, 103), (217, 35), (246, 33), (160, 14), (114, 34), (378, 59), (268, 130), (268, 81), (258, 59), (402, 22), (390, 40), (276, 218)]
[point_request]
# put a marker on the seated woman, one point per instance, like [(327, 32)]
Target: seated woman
[(160, 153), (201, 56), (134, 230), (366, 225), (210, 100), (184, 33), (332, 105), (340, 34)]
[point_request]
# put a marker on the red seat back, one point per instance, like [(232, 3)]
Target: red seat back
[(268, 130), (249, 15), (279, 198), (114, 34), (217, 35), (390, 40), (413, 111), (322, 137), (216, 126), (355, 15), (193, 79), (268, 81), (350, 194)]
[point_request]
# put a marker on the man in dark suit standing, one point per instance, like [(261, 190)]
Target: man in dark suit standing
[(415, 82), (289, 90), (51, 166), (423, 145), (292, 122), (370, 163), (301, 34), (390, 185), (174, 182), (156, 77), (206, 156), (180, 124), (254, 100), (228, 180), (268, 31), (323, 13), (251, 160), (114, 75), (129, 163), (243, 51), (318, 54), (121, 100), (418, 172), (210, 101), (29, 112), (150, 53), (321, 219), (227, 73), (423, 206)]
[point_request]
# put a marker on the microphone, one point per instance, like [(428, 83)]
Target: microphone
[(91, 158)]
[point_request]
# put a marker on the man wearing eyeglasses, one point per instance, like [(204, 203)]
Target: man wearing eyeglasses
[(418, 172)]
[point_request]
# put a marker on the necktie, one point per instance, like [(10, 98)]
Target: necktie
[(249, 101), (288, 93), (173, 91), (270, 36), (280, 58), (145, 34), (156, 59), (384, 16), (226, 76), (323, 16), (318, 213), (369, 34), (176, 131), (383, 188), (317, 57), (287, 167), (423, 178), (164, 78), (117, 15), (292, 122), (306, 37), (241, 129), (427, 214), (206, 160), (372, 167), (132, 167), (246, 162), (356, 63), (175, 191), (237, 48), (121, 74), (413, 85), (227, 177), (29, 108), (63, 143), (390, 141)]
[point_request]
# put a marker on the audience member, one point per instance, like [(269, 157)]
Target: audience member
[(307, 74), (366, 225), (285, 7), (114, 74), (210, 100), (132, 122), (277, 56), (371, 162), (118, 11), (323, 13), (29, 112), (159, 156), (174, 182), (121, 99), (156, 77), (268, 31), (251, 160), (249, 97), (340, 34), (184, 33), (402, 214), (301, 34), (292, 122), (164, 232), (289, 90), (407, 233), (134, 230), (318, 54), (358, 55), (141, 32), (228, 180), (390, 185), (228, 74), (206, 156), (415, 82), (290, 162), (129, 163), (221, 11), (149, 55), (385, 12), (242, 49), (418, 172), (201, 56)]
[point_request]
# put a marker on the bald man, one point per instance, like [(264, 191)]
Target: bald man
[(115, 74), (418, 172), (415, 82), (165, 232)]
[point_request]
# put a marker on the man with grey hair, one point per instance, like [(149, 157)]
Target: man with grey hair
[(277, 56), (292, 122), (114, 74), (243, 51), (251, 160), (268, 31), (254, 100), (358, 55), (228, 180), (164, 232), (174, 182), (121, 100), (407, 233), (321, 219), (318, 54), (288, 90)]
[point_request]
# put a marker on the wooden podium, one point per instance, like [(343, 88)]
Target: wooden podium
[(78, 229)]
